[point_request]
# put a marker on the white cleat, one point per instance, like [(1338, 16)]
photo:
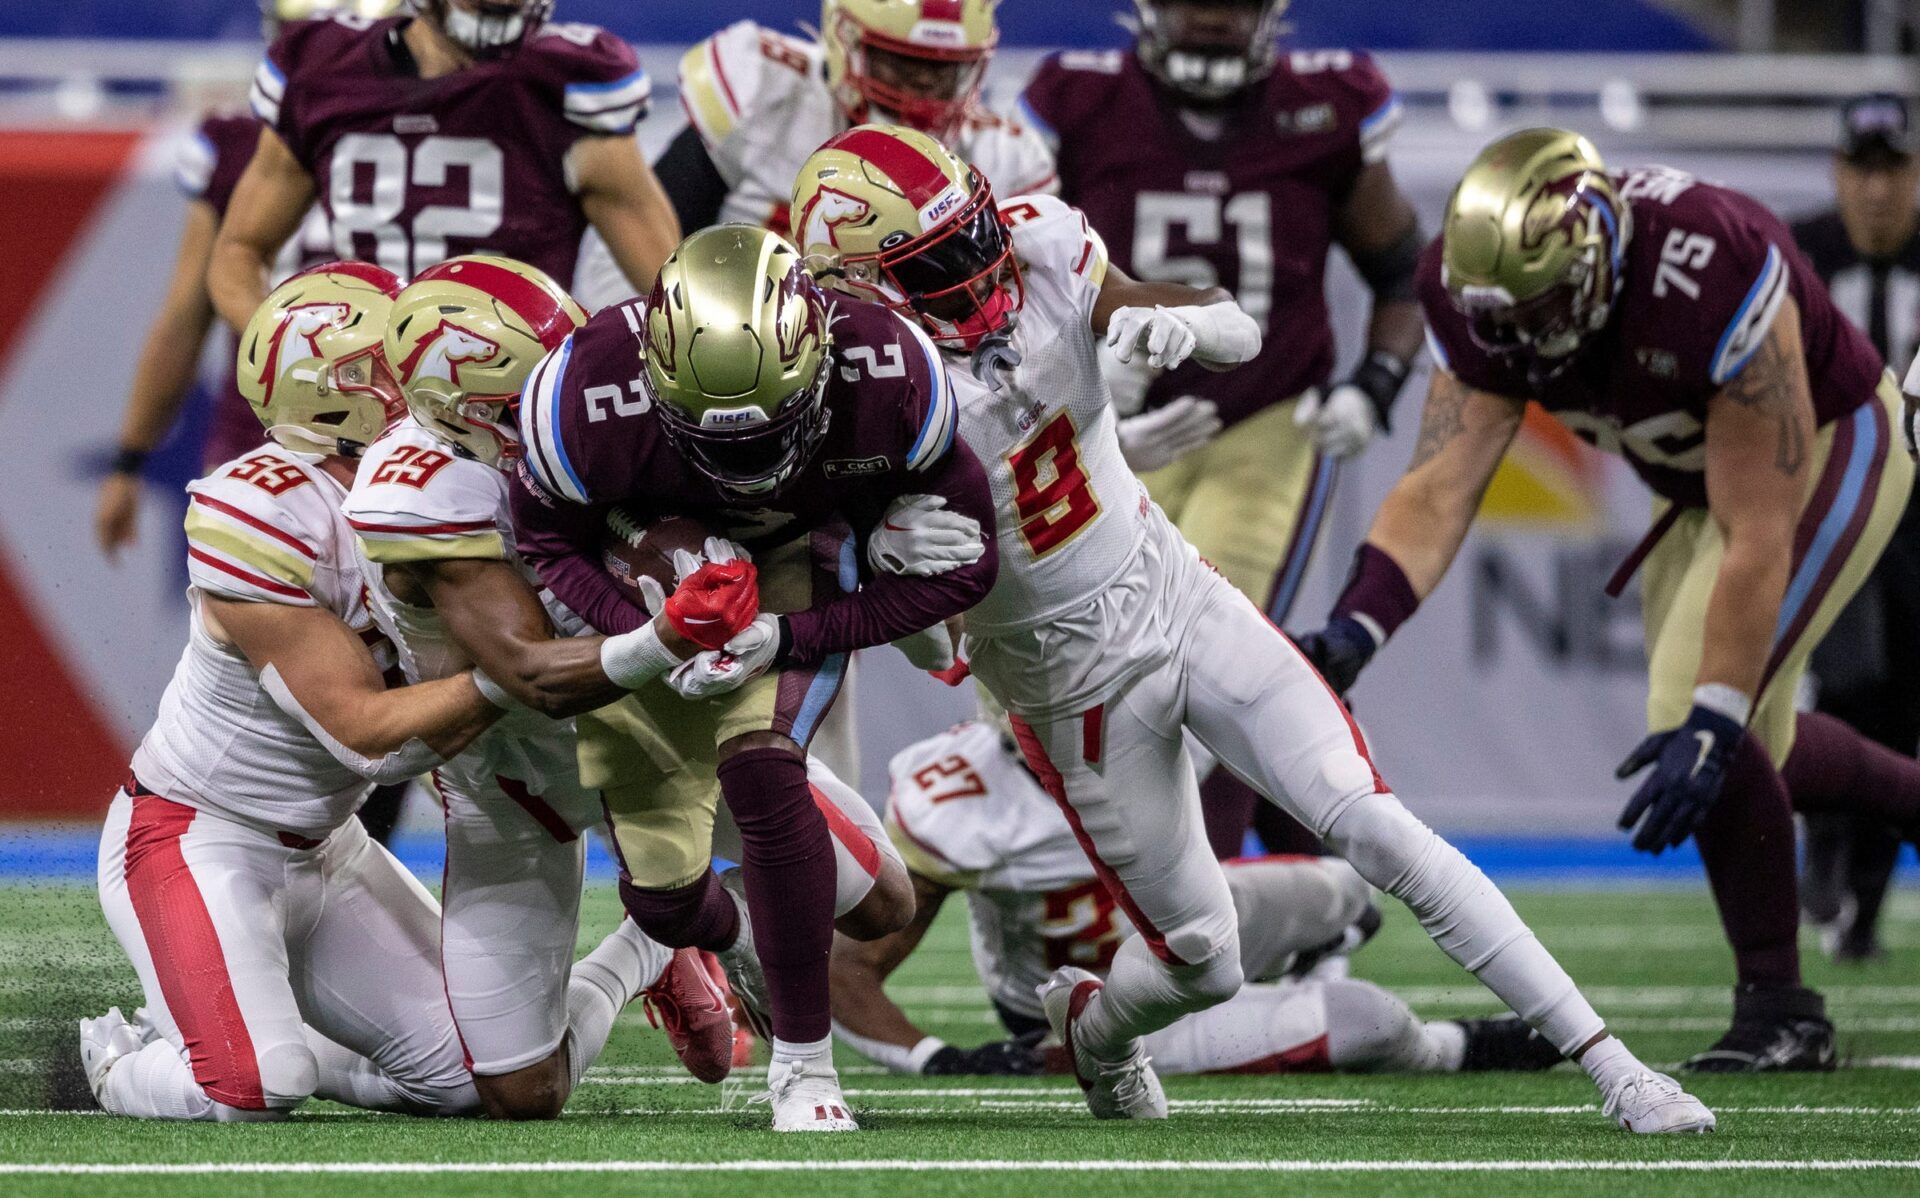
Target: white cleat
[(1123, 1089), (104, 1039), (806, 1097), (741, 963), (1648, 1103)]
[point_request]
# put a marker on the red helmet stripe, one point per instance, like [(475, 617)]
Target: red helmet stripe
[(918, 176), (528, 300), (940, 10), (366, 272)]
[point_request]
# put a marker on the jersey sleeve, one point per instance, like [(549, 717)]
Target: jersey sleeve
[(548, 458), (414, 502), (1013, 156), (720, 79), (1066, 90), (255, 530), (1722, 279), (1052, 236), (941, 811), (603, 88), (1449, 343), (274, 95), (1373, 106), (194, 159)]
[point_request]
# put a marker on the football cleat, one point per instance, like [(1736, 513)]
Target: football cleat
[(687, 1005), (806, 1097), (104, 1039), (741, 963), (1781, 1029), (1123, 1089), (1648, 1103), (1507, 1044)]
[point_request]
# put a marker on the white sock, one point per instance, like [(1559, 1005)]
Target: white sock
[(1607, 1060), (155, 1083), (1144, 994), (346, 1076), (816, 1052), (602, 982)]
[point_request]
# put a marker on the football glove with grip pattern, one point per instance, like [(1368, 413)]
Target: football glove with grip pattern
[(1689, 765)]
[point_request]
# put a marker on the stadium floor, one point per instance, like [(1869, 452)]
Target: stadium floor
[(1651, 959)]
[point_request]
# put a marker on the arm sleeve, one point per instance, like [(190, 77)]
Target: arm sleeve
[(891, 606), (561, 542), (693, 184)]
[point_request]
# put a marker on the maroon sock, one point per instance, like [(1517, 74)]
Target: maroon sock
[(1227, 805), (789, 874), (1834, 768), (1284, 836), (698, 915), (1747, 842)]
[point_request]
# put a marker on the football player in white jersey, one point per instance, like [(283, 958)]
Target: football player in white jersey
[(969, 817), (430, 506), (1107, 637), (282, 953)]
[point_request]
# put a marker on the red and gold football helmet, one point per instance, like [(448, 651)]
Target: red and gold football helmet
[(311, 362), (917, 62)]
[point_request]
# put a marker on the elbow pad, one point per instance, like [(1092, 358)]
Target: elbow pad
[(405, 763), (1223, 335)]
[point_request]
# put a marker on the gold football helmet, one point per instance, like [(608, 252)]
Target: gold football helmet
[(462, 340), (908, 224), (918, 62), (1533, 245), (311, 363), (737, 356)]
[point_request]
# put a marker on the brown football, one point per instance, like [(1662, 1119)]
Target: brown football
[(634, 548)]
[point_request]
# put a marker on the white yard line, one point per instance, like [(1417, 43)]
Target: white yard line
[(255, 1168)]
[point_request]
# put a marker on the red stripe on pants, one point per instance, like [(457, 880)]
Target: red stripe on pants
[(865, 854), (538, 808), (1055, 785), (186, 954)]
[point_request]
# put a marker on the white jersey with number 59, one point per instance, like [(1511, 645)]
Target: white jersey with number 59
[(1071, 515)]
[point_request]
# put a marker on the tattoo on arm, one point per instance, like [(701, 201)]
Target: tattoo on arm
[(1442, 420), (1766, 385)]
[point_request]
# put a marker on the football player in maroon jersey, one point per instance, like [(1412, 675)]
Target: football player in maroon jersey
[(471, 126), (1676, 323), (1250, 165)]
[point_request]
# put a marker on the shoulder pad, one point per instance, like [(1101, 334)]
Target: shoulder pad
[(194, 159), (298, 43), (1363, 99), (941, 810), (1052, 235), (414, 499), (1014, 155), (256, 528), (1068, 90), (726, 79), (542, 443), (603, 88)]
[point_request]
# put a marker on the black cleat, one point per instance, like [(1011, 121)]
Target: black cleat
[(1776, 1029), (1505, 1044), (1345, 944)]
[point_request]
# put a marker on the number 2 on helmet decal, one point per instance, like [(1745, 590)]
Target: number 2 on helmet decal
[(1052, 495)]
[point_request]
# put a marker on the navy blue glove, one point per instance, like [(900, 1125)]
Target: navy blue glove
[(1339, 651), (1689, 764)]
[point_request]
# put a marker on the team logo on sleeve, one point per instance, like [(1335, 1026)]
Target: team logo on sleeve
[(442, 352), (301, 324)]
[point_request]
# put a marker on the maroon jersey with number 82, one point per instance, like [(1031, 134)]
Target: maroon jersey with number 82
[(413, 171)]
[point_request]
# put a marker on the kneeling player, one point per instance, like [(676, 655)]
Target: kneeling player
[(970, 816), (282, 952)]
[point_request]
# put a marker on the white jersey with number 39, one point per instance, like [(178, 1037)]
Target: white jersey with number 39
[(1071, 515)]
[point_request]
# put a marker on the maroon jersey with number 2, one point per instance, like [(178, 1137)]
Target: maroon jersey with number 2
[(1244, 198), (413, 171), (1707, 271)]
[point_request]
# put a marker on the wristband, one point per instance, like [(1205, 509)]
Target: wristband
[(633, 659), (1721, 699), (492, 691), (1378, 594), (922, 1052), (1380, 377), (129, 461)]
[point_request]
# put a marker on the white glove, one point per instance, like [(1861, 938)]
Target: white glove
[(1165, 435), (919, 537), (717, 549), (1342, 423), (745, 658), (1127, 382), (929, 649), (1163, 332)]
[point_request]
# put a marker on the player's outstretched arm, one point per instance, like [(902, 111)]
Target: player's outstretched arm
[(1464, 432), (268, 203), (496, 617), (625, 203), (318, 670), (169, 360), (1167, 323), (862, 1013)]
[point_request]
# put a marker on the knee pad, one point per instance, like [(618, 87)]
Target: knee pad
[(289, 1074)]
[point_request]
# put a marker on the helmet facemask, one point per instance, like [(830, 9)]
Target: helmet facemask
[(491, 28), (744, 450), (959, 280), (890, 80), (1208, 50)]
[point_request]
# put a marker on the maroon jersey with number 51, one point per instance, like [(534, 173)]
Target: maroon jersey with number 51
[(1244, 197), (1706, 272), (413, 171)]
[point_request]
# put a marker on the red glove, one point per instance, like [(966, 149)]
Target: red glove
[(715, 603), (954, 674)]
